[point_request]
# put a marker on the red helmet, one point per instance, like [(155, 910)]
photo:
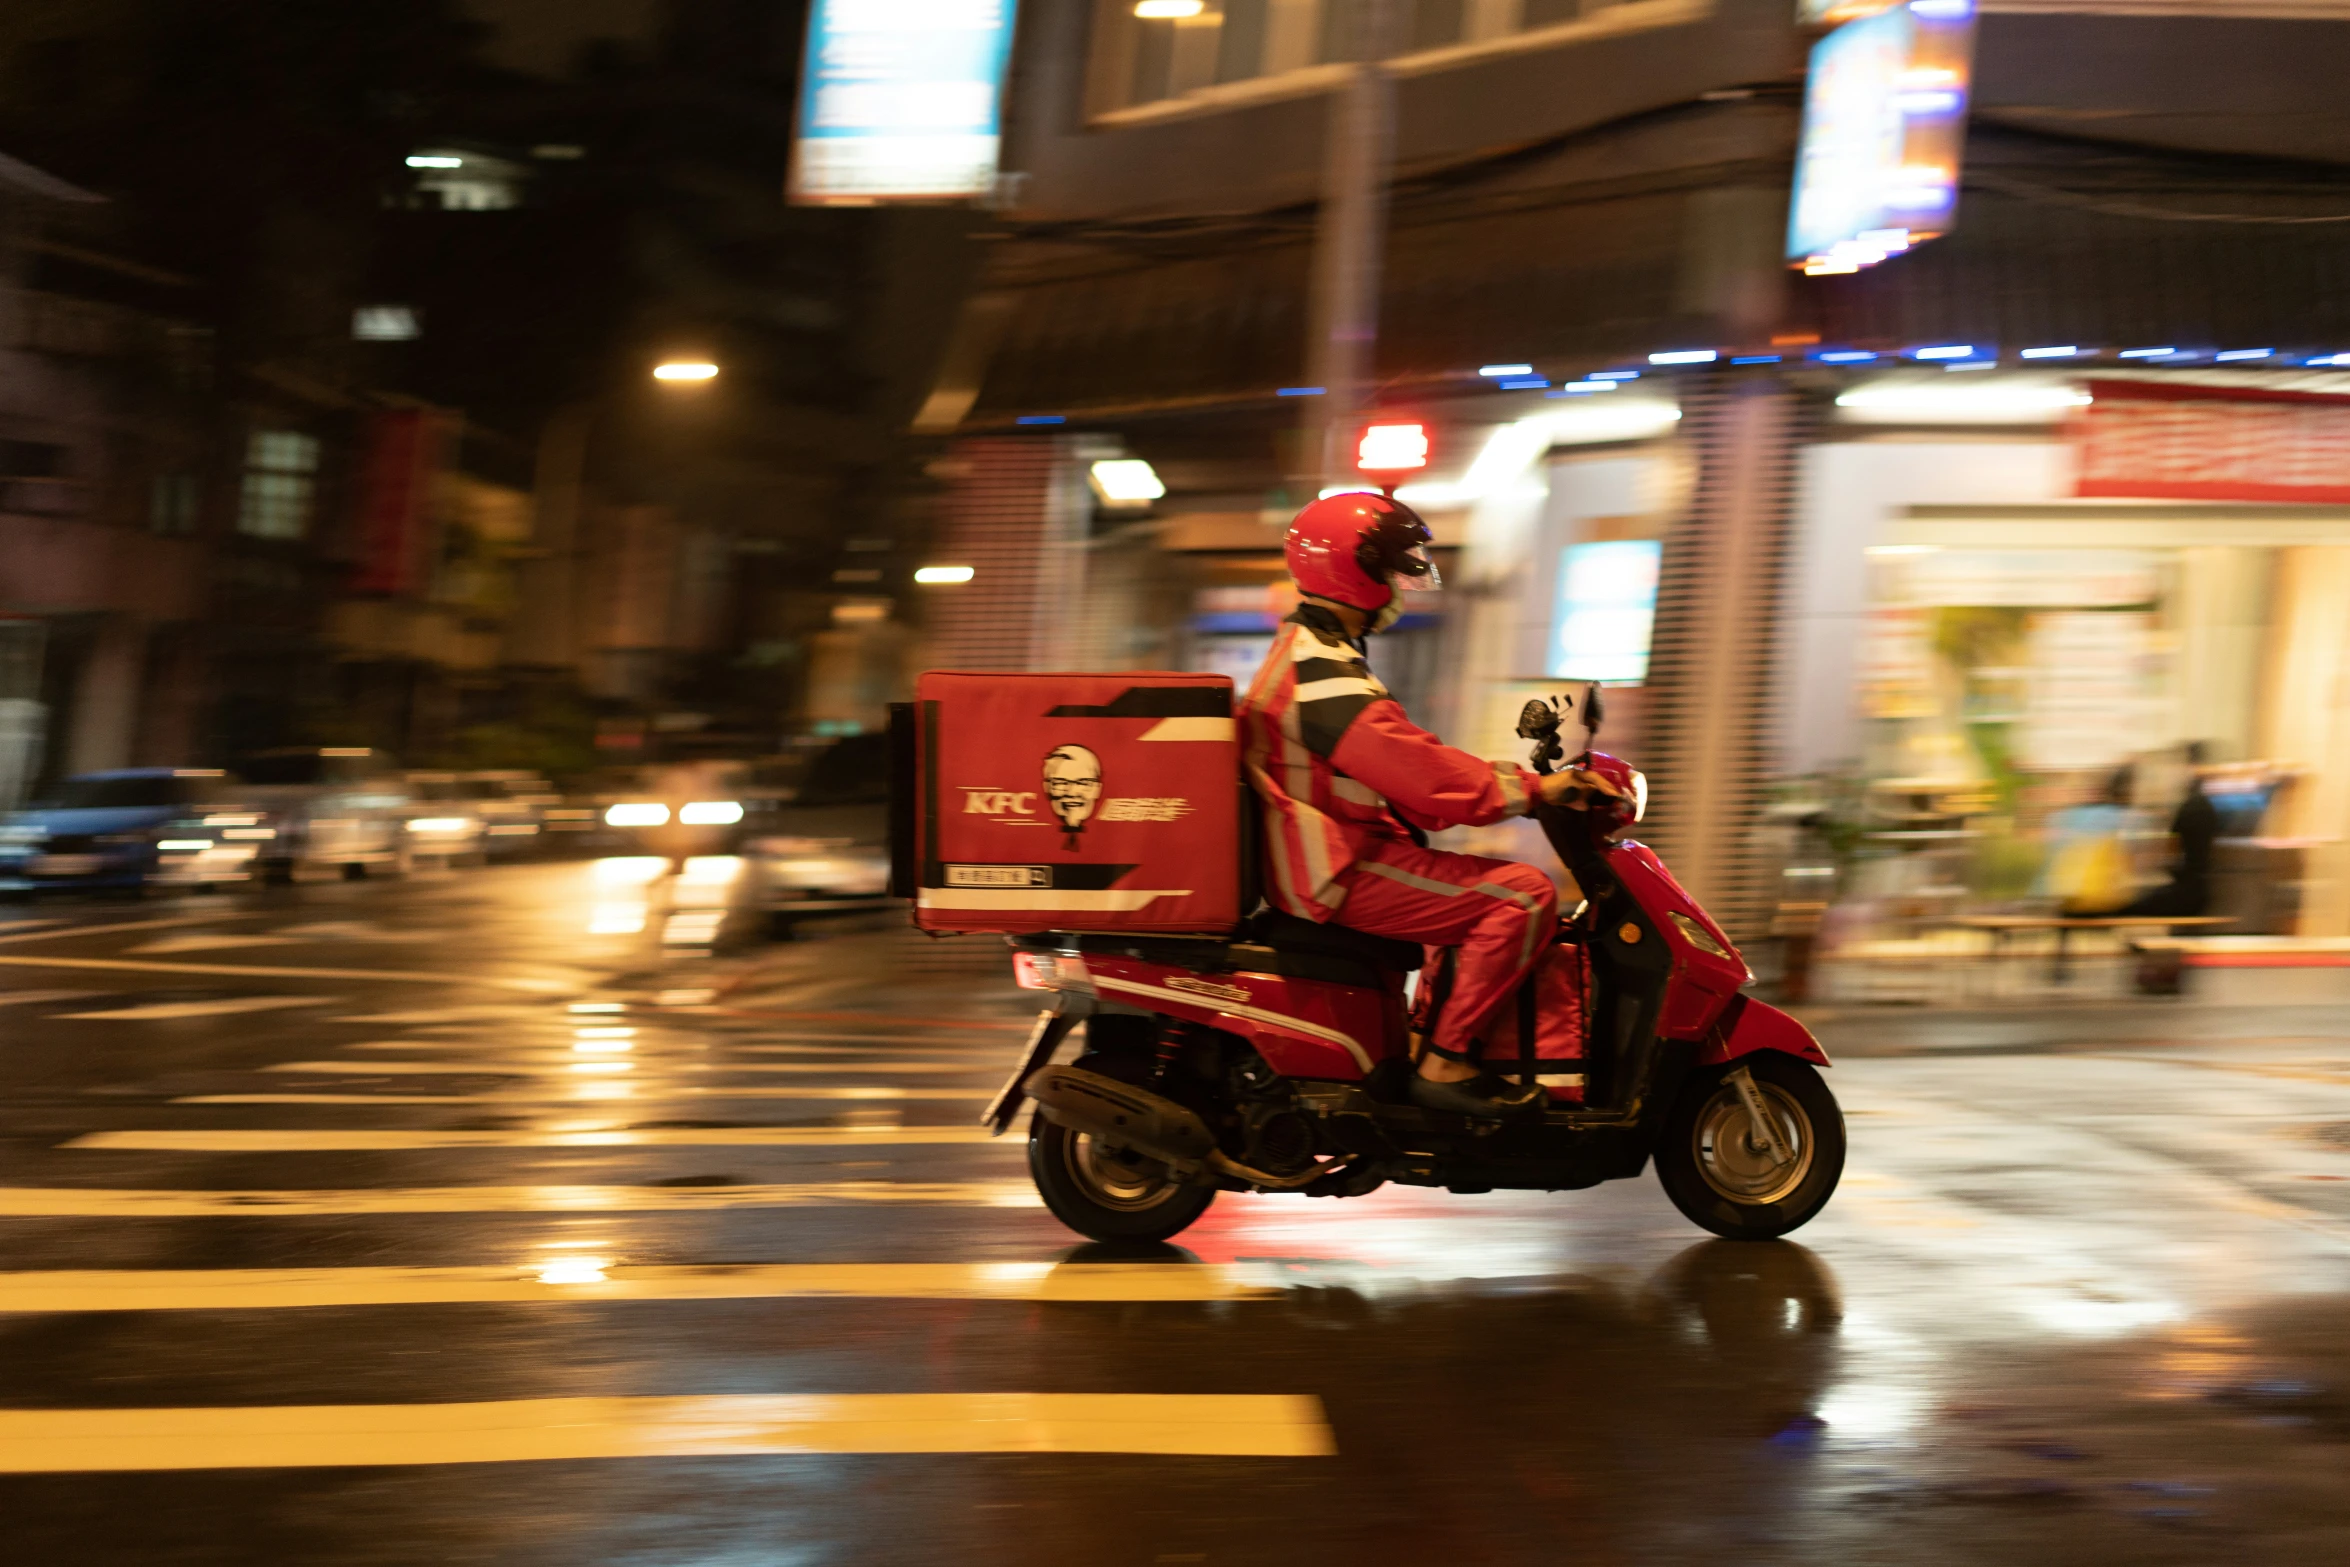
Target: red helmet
[(1354, 548)]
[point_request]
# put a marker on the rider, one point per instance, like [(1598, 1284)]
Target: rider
[(1349, 787)]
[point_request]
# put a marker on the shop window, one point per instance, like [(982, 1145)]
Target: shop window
[(463, 181), (281, 483), (31, 460), (1173, 48), (1438, 23), (175, 504)]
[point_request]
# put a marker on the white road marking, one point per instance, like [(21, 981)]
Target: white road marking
[(636, 1093), (221, 1006), (349, 930), (387, 1140), (79, 1202), (62, 928), (286, 1289), (256, 971), (205, 940), (52, 1441), (497, 1009), (26, 998)]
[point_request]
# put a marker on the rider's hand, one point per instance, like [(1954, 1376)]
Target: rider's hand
[(1562, 789)]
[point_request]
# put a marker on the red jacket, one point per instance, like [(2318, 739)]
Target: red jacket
[(1339, 770)]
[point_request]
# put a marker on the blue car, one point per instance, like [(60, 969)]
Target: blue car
[(132, 828)]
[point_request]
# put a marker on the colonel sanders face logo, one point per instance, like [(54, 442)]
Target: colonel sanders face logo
[(1073, 786)]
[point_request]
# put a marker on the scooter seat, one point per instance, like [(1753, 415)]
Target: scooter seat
[(1287, 933)]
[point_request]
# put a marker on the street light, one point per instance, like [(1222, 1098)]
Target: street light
[(685, 370)]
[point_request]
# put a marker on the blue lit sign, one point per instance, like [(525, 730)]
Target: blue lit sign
[(901, 100), (1606, 611), (1884, 126)]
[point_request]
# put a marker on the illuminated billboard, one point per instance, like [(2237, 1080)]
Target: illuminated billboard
[(1884, 126), (900, 100), (1606, 611)]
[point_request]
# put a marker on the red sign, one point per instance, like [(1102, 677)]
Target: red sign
[(2180, 442), (396, 539), (1077, 802)]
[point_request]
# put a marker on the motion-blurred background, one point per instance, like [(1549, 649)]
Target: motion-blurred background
[(489, 409)]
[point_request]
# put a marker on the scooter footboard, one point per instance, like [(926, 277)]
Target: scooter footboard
[(1748, 1025)]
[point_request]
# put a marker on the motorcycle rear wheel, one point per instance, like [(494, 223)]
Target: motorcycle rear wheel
[(1711, 1166), (1105, 1195)]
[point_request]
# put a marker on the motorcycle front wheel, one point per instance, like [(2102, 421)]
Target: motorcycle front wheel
[(1106, 1194), (1728, 1180)]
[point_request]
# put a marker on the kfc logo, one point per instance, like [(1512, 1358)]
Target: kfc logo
[(990, 801), (1073, 787)]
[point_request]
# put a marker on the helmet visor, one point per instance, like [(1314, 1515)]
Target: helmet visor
[(1416, 573)]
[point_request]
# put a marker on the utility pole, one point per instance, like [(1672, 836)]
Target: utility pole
[(1349, 238)]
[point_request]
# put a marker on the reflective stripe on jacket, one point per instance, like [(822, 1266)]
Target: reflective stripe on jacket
[(1339, 770)]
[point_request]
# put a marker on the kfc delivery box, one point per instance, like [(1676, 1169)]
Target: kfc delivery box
[(1068, 802)]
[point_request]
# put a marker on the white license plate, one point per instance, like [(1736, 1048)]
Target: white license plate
[(64, 864), (999, 876)]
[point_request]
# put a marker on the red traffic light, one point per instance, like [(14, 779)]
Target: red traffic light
[(1392, 448)]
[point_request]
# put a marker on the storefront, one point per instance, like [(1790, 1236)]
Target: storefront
[(1988, 624)]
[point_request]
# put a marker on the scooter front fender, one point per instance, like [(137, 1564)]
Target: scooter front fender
[(1748, 1025)]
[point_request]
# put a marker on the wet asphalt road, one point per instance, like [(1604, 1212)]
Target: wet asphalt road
[(318, 1201)]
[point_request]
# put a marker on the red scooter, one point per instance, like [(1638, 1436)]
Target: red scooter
[(1279, 1059)]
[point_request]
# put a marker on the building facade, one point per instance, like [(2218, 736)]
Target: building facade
[(1590, 201)]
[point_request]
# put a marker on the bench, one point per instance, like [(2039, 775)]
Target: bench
[(2268, 970), (2001, 926)]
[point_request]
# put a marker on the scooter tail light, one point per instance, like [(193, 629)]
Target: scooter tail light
[(1034, 971)]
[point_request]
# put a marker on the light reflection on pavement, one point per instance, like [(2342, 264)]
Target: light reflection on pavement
[(2081, 1297)]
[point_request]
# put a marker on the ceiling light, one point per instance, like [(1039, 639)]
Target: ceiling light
[(685, 370), (1685, 356), (1945, 351), (2066, 352), (1940, 402), (1127, 481), (1498, 370), (1167, 10), (933, 575)]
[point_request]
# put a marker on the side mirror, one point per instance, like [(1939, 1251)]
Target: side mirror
[(1538, 721)]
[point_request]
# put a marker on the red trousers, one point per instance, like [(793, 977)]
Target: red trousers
[(1500, 914)]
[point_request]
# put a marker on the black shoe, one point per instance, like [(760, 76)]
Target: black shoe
[(1484, 1097)]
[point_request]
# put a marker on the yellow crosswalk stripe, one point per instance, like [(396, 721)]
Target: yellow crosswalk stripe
[(637, 1092), (79, 1202), (52, 1441), (302, 1140), (570, 1278), (568, 1062)]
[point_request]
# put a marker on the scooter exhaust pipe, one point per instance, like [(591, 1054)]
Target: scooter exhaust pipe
[(1123, 1116)]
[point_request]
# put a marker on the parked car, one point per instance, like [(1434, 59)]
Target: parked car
[(339, 808), (822, 846), (443, 822), (132, 828), (513, 807)]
